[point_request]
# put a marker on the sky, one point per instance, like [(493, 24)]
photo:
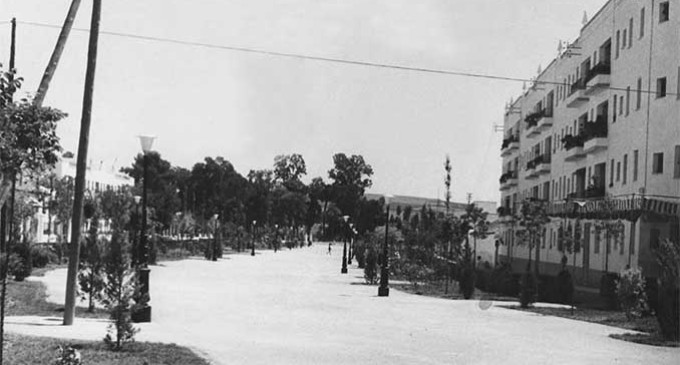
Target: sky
[(249, 107)]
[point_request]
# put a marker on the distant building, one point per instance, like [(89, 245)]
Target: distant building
[(597, 137), (96, 180), (485, 247)]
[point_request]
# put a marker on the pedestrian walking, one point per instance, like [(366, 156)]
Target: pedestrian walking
[(329, 248)]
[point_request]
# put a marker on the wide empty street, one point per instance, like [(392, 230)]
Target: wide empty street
[(294, 307)]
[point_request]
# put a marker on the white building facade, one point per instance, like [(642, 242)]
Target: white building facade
[(96, 180), (597, 138)]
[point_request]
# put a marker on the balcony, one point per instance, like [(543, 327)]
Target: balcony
[(598, 78), (574, 147), (545, 122), (591, 192), (577, 95), (538, 166), (504, 215), (508, 180), (538, 121), (509, 145), (543, 166), (595, 136)]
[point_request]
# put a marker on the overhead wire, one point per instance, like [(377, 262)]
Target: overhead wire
[(322, 58)]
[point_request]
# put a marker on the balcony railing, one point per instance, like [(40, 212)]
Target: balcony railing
[(597, 129), (508, 141), (602, 68), (570, 141), (508, 176), (578, 85)]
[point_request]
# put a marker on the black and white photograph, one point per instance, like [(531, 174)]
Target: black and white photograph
[(216, 182)]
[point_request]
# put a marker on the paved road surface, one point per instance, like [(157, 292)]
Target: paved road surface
[(294, 307)]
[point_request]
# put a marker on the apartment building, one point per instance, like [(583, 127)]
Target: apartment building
[(596, 136)]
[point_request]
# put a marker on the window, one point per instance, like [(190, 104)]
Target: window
[(621, 105), (618, 42), (657, 163), (624, 41), (677, 89), (618, 171), (661, 87), (596, 244), (676, 164), (638, 102), (635, 165), (664, 12), (630, 33), (625, 168), (627, 100), (631, 250), (614, 109), (642, 22), (611, 173)]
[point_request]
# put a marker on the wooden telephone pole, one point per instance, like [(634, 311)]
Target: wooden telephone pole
[(81, 166), (56, 54)]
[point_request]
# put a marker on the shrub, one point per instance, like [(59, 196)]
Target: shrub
[(527, 295), (547, 289), (483, 280), (668, 312), (371, 268), (564, 287), (119, 291), (502, 281), (630, 291), (67, 356), (608, 290), (41, 255), (467, 281), (360, 254)]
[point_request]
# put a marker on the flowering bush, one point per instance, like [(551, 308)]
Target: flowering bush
[(630, 290), (67, 356)]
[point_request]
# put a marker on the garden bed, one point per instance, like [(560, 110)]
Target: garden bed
[(31, 350)]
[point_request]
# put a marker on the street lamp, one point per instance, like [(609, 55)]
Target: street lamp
[(349, 256), (252, 252), (143, 314), (213, 252), (276, 237), (384, 289), (344, 247)]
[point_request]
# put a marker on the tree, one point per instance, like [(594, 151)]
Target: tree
[(121, 285), (351, 177), (63, 209), (475, 217), (163, 199), (320, 192), (668, 312), (28, 142), (533, 219), (289, 168), (90, 275), (258, 205), (216, 188)]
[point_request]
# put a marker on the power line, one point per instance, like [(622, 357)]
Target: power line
[(323, 59)]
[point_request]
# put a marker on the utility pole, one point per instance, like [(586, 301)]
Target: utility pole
[(7, 214), (81, 166), (56, 54)]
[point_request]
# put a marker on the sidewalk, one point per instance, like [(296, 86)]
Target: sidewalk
[(294, 307)]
